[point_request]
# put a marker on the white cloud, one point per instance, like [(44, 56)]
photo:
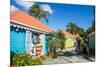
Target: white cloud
[(46, 7), (24, 3), (13, 8)]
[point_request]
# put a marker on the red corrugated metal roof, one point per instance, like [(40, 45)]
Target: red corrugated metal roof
[(24, 18), (67, 34)]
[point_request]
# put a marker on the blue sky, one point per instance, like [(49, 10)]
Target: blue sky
[(62, 14)]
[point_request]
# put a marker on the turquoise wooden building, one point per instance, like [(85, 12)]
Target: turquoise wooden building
[(23, 31)]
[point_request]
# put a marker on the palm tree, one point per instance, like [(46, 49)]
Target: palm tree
[(56, 40), (38, 12), (72, 28), (75, 29)]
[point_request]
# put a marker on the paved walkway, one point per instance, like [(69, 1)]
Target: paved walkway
[(70, 56)]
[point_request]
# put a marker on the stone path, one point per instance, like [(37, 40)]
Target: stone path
[(70, 56)]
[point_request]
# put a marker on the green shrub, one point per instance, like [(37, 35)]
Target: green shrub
[(44, 56), (23, 59), (37, 61)]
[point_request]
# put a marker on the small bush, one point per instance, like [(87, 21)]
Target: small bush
[(23, 59), (37, 61), (44, 56)]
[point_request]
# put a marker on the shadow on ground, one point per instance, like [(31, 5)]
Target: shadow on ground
[(73, 53), (68, 53)]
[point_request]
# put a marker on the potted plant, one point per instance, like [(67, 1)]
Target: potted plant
[(56, 41), (38, 49)]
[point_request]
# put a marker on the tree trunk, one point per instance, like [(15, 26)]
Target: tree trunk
[(55, 53)]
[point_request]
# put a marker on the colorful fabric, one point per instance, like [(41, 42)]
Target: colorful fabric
[(37, 39)]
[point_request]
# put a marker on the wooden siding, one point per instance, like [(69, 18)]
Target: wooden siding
[(17, 39)]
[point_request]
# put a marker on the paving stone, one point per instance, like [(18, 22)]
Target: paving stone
[(71, 57)]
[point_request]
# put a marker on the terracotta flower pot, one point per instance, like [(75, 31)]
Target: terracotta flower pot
[(38, 50), (12, 65)]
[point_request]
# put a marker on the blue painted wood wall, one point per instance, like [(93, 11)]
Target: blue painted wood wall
[(44, 43), (17, 39)]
